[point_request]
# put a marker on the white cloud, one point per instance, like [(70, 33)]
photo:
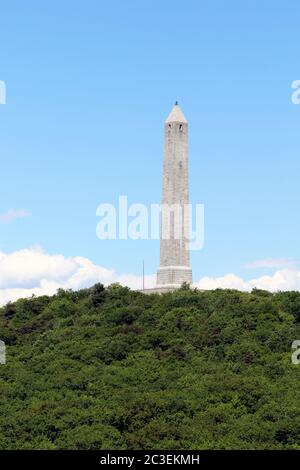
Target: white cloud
[(229, 281), (33, 271), (284, 279), (277, 263), (13, 214)]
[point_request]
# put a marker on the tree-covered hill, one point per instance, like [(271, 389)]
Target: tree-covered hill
[(117, 369)]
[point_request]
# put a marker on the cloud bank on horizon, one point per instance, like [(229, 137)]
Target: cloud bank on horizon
[(32, 271)]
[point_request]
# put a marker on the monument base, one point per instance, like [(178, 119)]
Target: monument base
[(160, 290), (174, 276)]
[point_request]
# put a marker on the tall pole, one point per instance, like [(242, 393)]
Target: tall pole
[(143, 275)]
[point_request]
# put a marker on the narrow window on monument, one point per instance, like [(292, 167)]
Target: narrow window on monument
[(180, 127), (170, 126)]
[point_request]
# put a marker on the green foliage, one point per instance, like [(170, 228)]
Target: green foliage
[(116, 369), (97, 295)]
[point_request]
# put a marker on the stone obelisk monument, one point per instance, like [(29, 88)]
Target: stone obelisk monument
[(174, 266)]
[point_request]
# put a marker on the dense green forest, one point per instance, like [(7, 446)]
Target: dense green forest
[(116, 369)]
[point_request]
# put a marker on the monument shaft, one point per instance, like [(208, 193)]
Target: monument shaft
[(174, 253)]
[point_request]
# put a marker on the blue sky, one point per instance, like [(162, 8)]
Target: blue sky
[(89, 85)]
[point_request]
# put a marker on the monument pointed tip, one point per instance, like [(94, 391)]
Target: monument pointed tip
[(176, 115)]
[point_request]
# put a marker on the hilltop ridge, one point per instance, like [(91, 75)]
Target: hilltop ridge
[(116, 369)]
